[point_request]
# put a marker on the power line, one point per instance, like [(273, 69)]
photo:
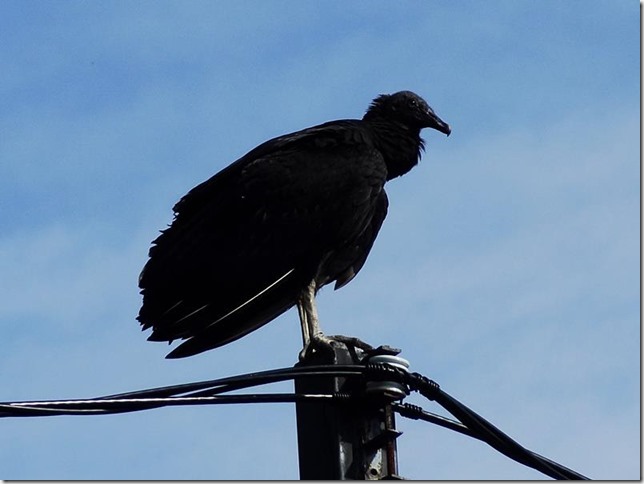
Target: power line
[(210, 393)]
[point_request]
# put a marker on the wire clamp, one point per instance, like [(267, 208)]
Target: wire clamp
[(426, 387)]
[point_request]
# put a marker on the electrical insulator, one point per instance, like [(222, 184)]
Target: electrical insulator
[(390, 389)]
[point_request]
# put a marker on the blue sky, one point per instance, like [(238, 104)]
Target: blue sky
[(507, 269)]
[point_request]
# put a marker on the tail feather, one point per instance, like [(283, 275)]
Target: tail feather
[(208, 326)]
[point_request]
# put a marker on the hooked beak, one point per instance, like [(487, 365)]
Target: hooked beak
[(437, 123)]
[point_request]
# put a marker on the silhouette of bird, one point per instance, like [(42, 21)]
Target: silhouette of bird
[(267, 232)]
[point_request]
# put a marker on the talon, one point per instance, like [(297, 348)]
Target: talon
[(318, 343), (352, 341), (323, 343)]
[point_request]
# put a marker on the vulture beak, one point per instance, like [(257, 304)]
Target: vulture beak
[(434, 122)]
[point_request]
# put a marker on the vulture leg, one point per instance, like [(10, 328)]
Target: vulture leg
[(312, 337)]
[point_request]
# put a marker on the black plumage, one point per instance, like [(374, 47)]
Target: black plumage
[(298, 212)]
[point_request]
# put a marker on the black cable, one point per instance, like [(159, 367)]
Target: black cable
[(122, 405), (485, 431), (162, 396), (502, 442), (246, 380), (208, 392), (416, 413)]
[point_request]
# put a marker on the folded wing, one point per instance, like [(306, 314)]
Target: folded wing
[(244, 243)]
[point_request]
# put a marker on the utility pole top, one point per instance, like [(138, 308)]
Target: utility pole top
[(347, 440)]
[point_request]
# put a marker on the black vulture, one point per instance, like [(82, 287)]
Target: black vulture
[(267, 232)]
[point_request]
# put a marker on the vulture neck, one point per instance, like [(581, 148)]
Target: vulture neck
[(400, 145)]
